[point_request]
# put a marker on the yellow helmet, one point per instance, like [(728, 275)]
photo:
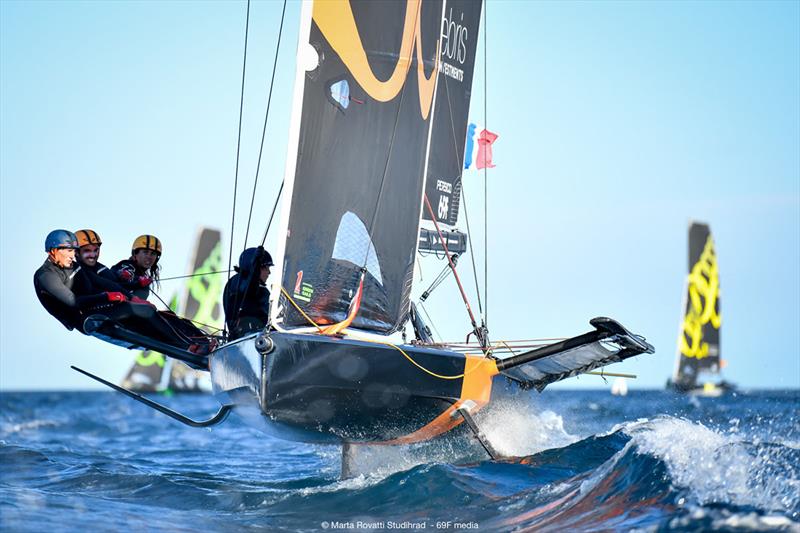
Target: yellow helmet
[(88, 236), (148, 242)]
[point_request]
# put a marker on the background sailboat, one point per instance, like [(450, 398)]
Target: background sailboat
[(698, 354)]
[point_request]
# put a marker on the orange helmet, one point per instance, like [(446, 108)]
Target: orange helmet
[(88, 236), (148, 242)]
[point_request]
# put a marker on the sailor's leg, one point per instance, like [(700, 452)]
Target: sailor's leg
[(184, 327), (145, 320)]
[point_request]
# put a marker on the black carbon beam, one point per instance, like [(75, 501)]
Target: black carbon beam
[(221, 415), (106, 329), (604, 328)]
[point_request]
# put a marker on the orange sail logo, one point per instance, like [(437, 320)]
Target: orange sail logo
[(336, 22)]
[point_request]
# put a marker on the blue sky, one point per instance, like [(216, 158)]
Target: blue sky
[(618, 123)]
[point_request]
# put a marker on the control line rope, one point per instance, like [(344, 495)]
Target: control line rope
[(373, 341)]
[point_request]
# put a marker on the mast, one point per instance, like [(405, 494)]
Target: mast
[(305, 59)]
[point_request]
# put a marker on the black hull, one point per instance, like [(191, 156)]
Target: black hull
[(707, 389), (326, 389), (318, 388)]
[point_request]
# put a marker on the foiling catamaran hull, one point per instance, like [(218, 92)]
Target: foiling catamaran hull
[(707, 389), (325, 389), (378, 130)]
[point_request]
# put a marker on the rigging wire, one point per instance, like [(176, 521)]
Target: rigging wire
[(239, 140), (438, 279), (471, 255), (179, 334), (464, 197), (485, 169), (274, 207), (264, 130), (480, 332), (430, 321), (195, 275)]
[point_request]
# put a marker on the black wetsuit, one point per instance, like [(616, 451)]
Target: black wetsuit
[(127, 268), (252, 298), (54, 286), (92, 280)]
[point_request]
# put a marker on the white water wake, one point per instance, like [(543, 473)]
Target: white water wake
[(721, 467)]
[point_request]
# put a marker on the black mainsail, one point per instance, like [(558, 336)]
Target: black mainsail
[(355, 189), (698, 340)]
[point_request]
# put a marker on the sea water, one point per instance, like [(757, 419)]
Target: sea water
[(652, 460)]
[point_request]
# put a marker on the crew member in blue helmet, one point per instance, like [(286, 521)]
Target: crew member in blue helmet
[(246, 297), (54, 280)]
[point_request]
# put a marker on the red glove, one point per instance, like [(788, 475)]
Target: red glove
[(137, 300), (144, 281), (125, 275), (115, 297)]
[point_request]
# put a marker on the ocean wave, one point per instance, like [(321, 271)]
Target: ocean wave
[(737, 470), (722, 467), (7, 428)]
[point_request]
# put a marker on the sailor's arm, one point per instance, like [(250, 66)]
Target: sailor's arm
[(125, 275), (52, 284), (105, 284)]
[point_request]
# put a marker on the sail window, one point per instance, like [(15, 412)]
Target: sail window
[(354, 245), (340, 93)]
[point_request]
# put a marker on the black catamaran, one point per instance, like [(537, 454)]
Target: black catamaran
[(698, 350), (200, 302), (374, 167)]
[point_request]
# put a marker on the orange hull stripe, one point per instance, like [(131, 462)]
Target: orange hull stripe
[(476, 386)]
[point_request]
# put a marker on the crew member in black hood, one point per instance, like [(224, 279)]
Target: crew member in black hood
[(246, 297)]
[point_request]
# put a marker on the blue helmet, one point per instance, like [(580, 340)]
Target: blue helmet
[(248, 258), (60, 238)]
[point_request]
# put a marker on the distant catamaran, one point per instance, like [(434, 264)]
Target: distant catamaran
[(698, 352)]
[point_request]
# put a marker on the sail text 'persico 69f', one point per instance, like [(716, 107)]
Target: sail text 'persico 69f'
[(357, 181), (698, 342), (446, 160)]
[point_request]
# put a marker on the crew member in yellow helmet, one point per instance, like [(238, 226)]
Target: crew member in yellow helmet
[(137, 273)]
